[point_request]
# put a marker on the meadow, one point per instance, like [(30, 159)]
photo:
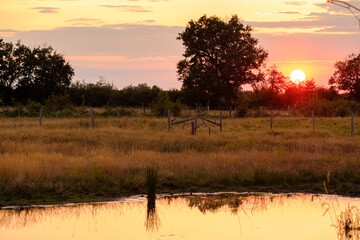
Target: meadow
[(66, 160)]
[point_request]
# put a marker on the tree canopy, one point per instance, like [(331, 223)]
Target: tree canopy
[(32, 74), (347, 76), (220, 56)]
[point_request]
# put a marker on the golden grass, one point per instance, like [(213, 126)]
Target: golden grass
[(246, 153)]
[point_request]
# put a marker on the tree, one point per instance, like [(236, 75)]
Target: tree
[(347, 76), (8, 71), (43, 73), (220, 56), (32, 74), (276, 82)]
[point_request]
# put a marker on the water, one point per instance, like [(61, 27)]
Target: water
[(218, 216)]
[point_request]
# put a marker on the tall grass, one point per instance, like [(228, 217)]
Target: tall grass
[(65, 159)]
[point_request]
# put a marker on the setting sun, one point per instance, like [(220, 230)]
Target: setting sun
[(297, 76)]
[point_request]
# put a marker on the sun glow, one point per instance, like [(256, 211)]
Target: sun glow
[(297, 76)]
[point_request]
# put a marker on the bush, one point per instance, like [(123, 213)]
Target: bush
[(241, 110), (32, 108)]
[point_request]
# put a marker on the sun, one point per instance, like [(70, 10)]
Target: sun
[(297, 76)]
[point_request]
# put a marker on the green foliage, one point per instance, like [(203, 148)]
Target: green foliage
[(176, 107), (347, 76), (58, 105), (161, 105), (220, 57), (241, 110), (33, 108)]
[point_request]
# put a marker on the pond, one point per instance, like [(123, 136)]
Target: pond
[(196, 216)]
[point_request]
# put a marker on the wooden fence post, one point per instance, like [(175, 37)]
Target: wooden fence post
[(193, 131), (208, 110), (352, 124), (230, 109), (169, 120), (40, 116), (92, 117), (117, 112), (195, 120), (271, 120), (18, 111), (261, 110), (313, 119), (220, 122)]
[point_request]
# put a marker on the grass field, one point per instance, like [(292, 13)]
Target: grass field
[(65, 160)]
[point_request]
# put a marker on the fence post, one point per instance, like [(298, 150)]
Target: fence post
[(18, 111), (92, 117), (261, 109), (352, 124), (271, 119), (313, 119), (208, 110), (40, 116), (193, 132), (195, 120), (220, 122), (169, 120), (230, 108), (117, 112)]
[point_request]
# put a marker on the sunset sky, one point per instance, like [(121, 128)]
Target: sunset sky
[(134, 41)]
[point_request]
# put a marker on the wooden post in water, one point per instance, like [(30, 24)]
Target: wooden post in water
[(261, 110), (40, 116), (352, 124), (92, 117), (193, 131), (271, 120), (169, 120), (313, 119), (220, 122)]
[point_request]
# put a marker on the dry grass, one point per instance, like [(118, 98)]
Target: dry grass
[(65, 158)]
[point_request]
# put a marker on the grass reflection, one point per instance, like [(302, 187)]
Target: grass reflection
[(152, 222)]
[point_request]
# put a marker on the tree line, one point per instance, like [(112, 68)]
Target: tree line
[(220, 58)]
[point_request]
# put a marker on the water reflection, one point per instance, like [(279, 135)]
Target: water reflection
[(199, 216), (152, 222)]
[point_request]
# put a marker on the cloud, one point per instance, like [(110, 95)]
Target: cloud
[(337, 8), (85, 21), (295, 3), (46, 9), (149, 21), (130, 40), (128, 8), (316, 21), (288, 12)]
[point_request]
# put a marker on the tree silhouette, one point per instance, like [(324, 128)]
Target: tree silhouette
[(220, 56)]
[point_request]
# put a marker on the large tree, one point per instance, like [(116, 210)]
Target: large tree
[(32, 74), (220, 56), (347, 76)]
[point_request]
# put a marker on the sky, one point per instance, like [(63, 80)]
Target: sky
[(128, 42)]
